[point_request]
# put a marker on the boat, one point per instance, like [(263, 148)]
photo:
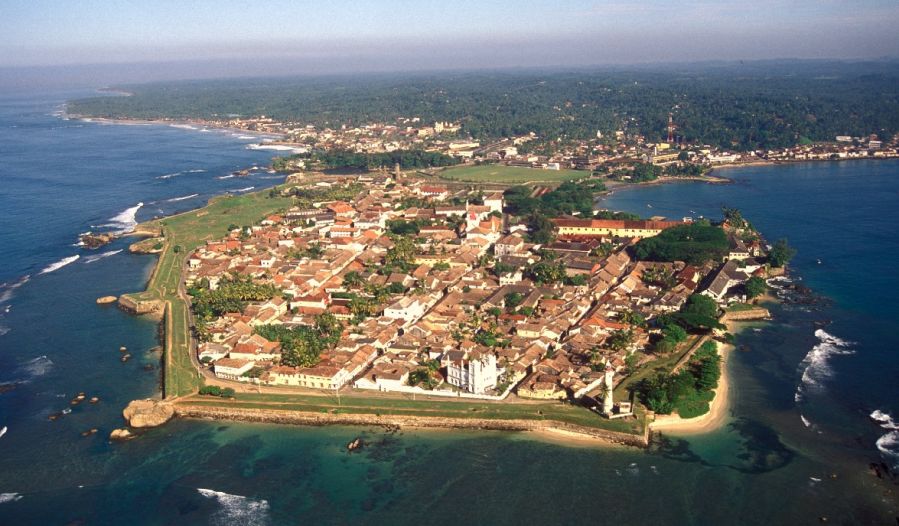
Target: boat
[(3, 431)]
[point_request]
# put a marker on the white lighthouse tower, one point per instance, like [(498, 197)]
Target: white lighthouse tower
[(607, 398)]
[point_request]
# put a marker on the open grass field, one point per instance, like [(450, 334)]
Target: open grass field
[(356, 403), (494, 173), (183, 233)]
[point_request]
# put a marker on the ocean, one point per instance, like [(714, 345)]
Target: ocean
[(797, 445)]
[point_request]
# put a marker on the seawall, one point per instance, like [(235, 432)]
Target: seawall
[(280, 416)]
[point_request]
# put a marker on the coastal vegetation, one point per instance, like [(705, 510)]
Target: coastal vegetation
[(567, 198), (687, 391), (694, 243), (743, 106), (781, 253), (346, 159)]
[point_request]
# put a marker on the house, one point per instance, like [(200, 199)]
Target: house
[(438, 193), (406, 308), (494, 201), (511, 244), (723, 279)]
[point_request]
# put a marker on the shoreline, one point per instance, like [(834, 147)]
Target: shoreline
[(718, 413), (170, 122), (544, 430)]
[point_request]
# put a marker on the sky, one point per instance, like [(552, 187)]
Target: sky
[(259, 36)]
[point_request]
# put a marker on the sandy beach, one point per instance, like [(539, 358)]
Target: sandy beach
[(718, 409)]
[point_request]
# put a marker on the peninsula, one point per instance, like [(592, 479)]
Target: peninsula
[(390, 298)]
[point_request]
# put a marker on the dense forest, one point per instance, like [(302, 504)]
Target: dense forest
[(738, 106)]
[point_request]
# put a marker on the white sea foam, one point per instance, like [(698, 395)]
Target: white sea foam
[(169, 176), (9, 497), (276, 147), (172, 200), (237, 509), (884, 419), (887, 444), (126, 220), (196, 171), (59, 264), (240, 190), (225, 176), (805, 421), (815, 366), (36, 367), (246, 137), (8, 289), (91, 259), (183, 126)]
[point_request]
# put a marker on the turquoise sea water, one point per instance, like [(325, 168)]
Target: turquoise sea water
[(766, 466)]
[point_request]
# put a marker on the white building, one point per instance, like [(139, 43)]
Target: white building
[(476, 373), (406, 308), (231, 368)]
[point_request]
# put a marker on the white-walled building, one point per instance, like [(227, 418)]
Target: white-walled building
[(475, 373)]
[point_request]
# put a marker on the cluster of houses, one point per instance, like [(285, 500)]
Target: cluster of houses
[(463, 316)]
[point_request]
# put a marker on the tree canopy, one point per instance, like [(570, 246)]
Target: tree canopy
[(692, 243)]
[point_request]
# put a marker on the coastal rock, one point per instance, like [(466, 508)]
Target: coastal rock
[(147, 246), (121, 434), (148, 413), (105, 300), (92, 241), (139, 306)]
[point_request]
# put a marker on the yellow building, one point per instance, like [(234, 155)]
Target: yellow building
[(611, 227)]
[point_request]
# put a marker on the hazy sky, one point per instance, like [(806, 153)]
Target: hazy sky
[(424, 34)]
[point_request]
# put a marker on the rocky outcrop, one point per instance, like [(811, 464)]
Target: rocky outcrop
[(90, 240), (138, 306), (148, 413), (104, 300), (147, 246), (121, 434)]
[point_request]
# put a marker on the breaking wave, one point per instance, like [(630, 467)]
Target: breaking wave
[(240, 190), (237, 509), (172, 200), (9, 497), (226, 176), (888, 444), (176, 174), (815, 366), (126, 219), (59, 264), (91, 259)]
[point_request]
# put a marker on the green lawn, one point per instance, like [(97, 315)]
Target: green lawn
[(494, 173), (360, 404), (188, 231)]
